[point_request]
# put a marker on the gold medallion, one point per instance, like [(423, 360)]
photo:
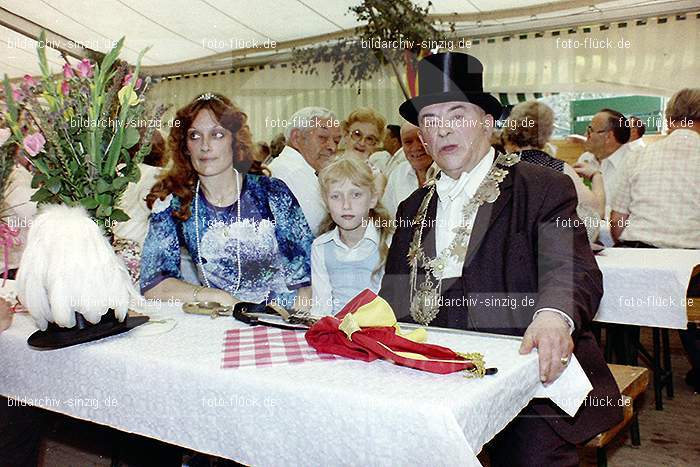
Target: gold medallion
[(425, 299), (425, 305), (490, 191)]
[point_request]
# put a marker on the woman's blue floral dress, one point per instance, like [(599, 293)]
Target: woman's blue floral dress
[(275, 243)]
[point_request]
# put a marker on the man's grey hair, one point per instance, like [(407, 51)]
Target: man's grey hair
[(304, 119), (685, 104)]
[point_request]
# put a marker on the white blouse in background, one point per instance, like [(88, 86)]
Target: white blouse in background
[(18, 211), (133, 202)]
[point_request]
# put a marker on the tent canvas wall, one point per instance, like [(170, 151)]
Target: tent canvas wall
[(649, 63)]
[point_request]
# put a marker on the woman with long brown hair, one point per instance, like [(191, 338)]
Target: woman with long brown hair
[(245, 232)]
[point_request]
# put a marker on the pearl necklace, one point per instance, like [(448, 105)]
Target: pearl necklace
[(238, 239)]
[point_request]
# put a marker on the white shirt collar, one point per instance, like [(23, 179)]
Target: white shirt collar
[(448, 188), (637, 144), (684, 133), (407, 172), (371, 234), (616, 157), (295, 157)]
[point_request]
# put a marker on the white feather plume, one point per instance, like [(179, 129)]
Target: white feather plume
[(68, 265)]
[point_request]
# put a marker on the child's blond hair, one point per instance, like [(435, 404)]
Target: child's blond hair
[(360, 174)]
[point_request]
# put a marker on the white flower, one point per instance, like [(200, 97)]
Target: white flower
[(161, 205), (4, 135), (438, 264)]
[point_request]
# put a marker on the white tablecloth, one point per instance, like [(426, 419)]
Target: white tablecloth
[(646, 286), (164, 381)]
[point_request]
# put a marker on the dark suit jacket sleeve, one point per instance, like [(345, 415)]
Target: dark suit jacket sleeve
[(568, 277), (395, 284)]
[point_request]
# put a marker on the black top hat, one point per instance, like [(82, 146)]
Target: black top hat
[(56, 337), (449, 77)]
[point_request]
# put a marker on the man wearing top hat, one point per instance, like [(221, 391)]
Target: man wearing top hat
[(494, 245)]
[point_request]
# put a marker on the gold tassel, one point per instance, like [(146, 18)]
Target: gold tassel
[(477, 359)]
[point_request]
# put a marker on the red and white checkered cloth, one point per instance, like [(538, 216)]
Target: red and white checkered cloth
[(263, 346)]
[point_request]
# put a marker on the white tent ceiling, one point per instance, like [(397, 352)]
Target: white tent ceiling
[(196, 34)]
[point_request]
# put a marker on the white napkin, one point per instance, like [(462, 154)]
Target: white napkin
[(569, 390)]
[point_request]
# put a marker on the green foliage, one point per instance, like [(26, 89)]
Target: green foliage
[(390, 21), (89, 133)]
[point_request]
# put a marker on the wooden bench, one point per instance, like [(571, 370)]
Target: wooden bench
[(632, 381), (694, 310)]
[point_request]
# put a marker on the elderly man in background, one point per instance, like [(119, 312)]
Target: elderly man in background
[(637, 130), (607, 138), (607, 148), (392, 139), (392, 155), (312, 138), (658, 203), (130, 235), (411, 174)]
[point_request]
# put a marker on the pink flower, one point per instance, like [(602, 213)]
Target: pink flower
[(29, 81), (65, 88), (34, 144), (85, 68), (67, 71), (127, 79), (4, 135), (17, 94)]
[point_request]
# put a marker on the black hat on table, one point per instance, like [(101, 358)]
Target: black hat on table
[(450, 77), (56, 337)]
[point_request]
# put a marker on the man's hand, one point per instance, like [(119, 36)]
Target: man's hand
[(549, 333), (5, 315), (585, 170)]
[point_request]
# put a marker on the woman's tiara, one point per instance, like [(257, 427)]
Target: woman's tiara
[(207, 96)]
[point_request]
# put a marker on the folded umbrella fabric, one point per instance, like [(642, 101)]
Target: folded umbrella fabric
[(366, 329)]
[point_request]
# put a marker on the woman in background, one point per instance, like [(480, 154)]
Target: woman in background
[(362, 132), (526, 132), (130, 235), (16, 213)]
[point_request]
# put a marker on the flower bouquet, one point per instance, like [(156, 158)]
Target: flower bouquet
[(89, 131), (87, 120)]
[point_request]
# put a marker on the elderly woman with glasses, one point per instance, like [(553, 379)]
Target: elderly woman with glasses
[(363, 130)]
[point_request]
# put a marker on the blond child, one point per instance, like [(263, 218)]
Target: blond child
[(350, 253)]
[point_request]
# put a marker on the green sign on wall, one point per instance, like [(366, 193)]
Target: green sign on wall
[(649, 109)]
